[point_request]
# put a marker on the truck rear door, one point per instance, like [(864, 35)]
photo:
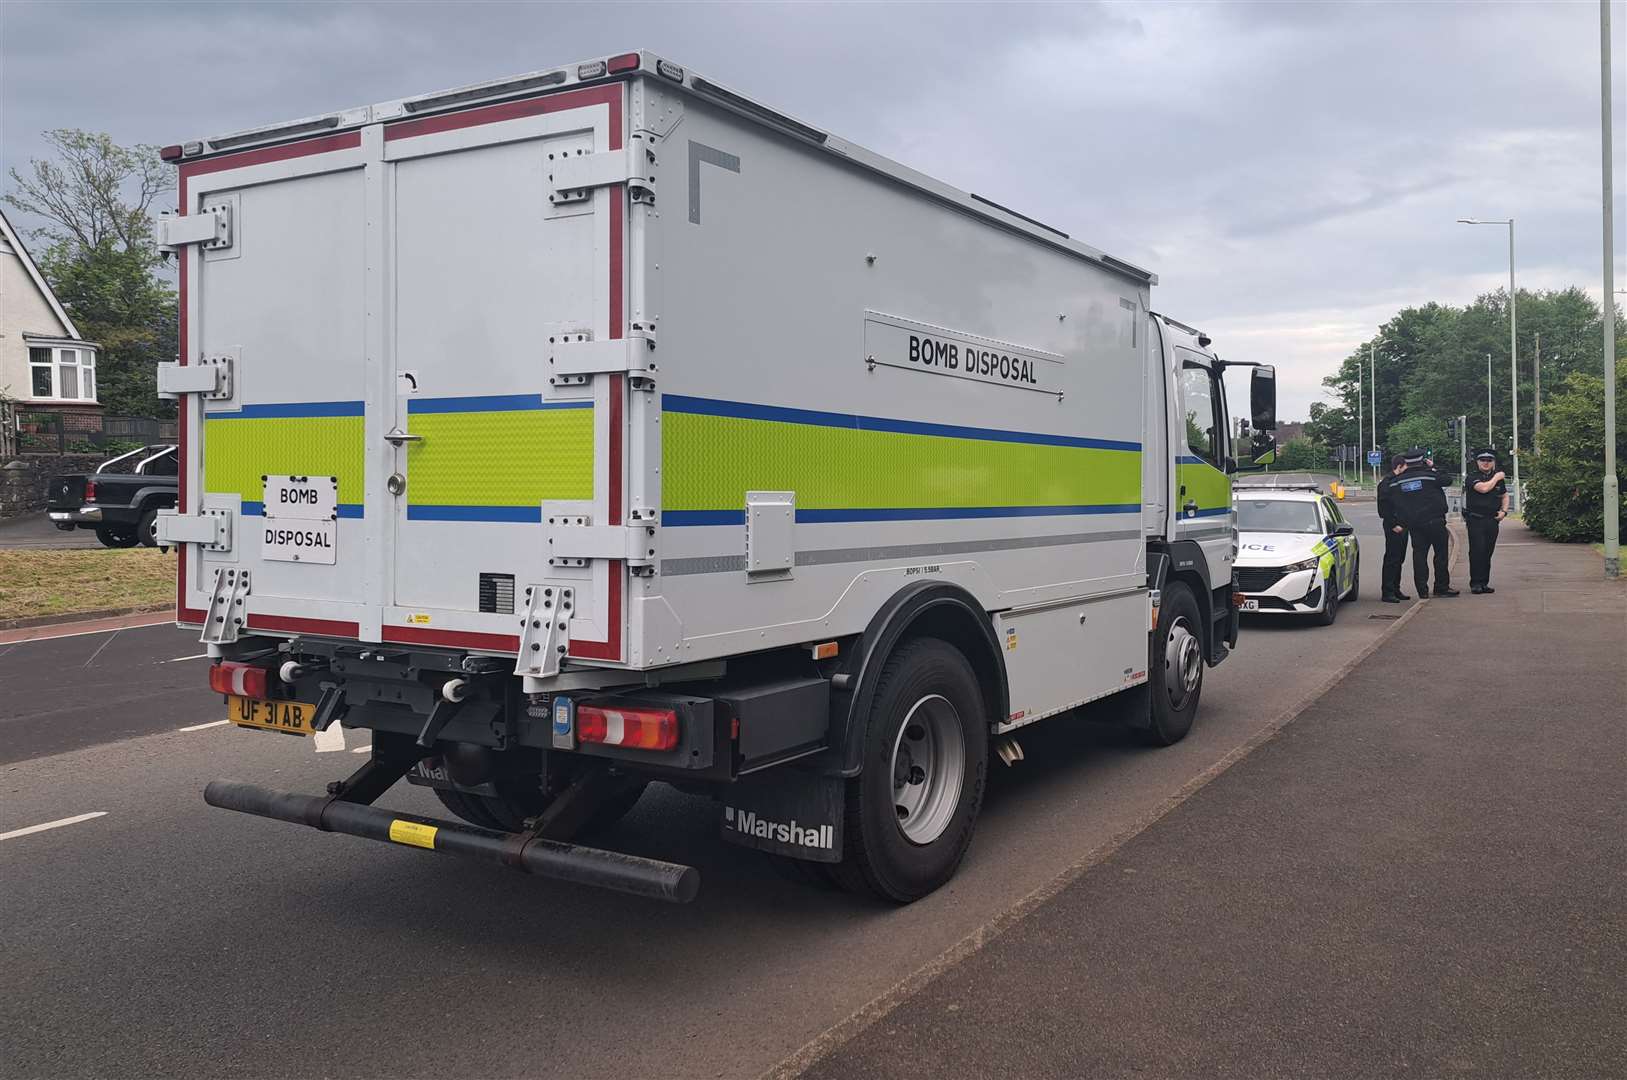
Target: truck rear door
[(396, 303)]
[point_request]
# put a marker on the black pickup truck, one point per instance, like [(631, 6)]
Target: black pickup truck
[(120, 500)]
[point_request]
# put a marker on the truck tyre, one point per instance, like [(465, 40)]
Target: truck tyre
[(911, 811), (147, 530), (114, 537), (1175, 669)]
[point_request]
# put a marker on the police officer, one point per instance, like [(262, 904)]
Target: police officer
[(1420, 501), (1395, 533), (1485, 505)]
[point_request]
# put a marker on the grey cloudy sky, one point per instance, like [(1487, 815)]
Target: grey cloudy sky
[(1291, 171)]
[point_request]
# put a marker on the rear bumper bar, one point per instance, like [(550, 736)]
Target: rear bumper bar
[(633, 874)]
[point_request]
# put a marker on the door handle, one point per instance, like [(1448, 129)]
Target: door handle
[(395, 437)]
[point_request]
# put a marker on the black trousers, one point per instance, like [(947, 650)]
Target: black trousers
[(1424, 538), (1482, 542), (1395, 555)]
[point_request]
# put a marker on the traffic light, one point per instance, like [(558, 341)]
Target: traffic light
[(1452, 427)]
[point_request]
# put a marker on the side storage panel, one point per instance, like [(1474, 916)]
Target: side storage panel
[(926, 393), (1051, 653)]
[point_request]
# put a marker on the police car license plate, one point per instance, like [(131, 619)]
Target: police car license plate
[(301, 519), (292, 717), (1250, 605)]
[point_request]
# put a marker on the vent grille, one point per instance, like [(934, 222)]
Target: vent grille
[(1253, 579), (497, 594)]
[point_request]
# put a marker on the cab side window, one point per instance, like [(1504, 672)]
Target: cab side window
[(1330, 510), (1198, 405)]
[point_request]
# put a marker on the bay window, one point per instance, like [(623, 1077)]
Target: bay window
[(62, 373)]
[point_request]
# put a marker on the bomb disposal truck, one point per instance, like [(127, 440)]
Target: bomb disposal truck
[(604, 426)]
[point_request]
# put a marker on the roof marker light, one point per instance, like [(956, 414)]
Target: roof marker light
[(670, 70), (590, 71), (171, 153), (624, 62)]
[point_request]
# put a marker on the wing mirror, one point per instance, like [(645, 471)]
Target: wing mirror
[(1263, 398), (1344, 528)]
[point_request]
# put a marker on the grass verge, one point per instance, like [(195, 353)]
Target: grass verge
[(37, 583)]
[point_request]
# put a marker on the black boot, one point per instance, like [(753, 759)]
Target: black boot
[(1391, 598), (1447, 592)]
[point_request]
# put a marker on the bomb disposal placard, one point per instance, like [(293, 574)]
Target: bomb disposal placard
[(916, 346), (301, 522)]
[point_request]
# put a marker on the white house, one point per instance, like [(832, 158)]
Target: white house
[(44, 362)]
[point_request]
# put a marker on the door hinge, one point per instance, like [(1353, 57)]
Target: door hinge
[(228, 606), (573, 539), (575, 358), (573, 178), (212, 529), (545, 630), (210, 376), (210, 228)]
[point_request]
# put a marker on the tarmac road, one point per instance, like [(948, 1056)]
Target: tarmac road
[(168, 938)]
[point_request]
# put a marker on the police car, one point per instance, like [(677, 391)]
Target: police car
[(1297, 555)]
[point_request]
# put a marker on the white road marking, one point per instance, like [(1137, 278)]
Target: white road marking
[(178, 659), (329, 741), (76, 819), (210, 724), (103, 646)]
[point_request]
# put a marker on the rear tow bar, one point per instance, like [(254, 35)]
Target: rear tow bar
[(524, 851)]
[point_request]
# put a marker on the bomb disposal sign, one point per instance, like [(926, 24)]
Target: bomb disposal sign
[(301, 522), (914, 346)]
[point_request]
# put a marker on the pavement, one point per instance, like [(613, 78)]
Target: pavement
[(1421, 875), (168, 938), (36, 531)]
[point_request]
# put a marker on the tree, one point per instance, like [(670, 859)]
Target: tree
[(1564, 485), (1331, 425), (1426, 432), (1302, 455), (96, 198)]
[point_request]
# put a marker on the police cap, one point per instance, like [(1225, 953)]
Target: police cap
[(1415, 456), (1486, 455)]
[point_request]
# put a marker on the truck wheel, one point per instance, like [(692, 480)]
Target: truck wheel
[(1175, 667), (113, 537), (911, 811), (147, 530)]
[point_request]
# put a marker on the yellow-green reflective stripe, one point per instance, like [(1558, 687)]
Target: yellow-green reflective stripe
[(515, 457), (710, 462), (1206, 485), (238, 452)]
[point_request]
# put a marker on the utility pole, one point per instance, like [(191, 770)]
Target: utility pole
[(1463, 450), (1372, 384), (1488, 400), (1514, 367), (1361, 431), (1612, 493)]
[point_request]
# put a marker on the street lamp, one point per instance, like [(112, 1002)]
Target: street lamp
[(1513, 351)]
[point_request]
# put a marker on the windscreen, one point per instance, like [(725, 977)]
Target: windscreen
[(1277, 515)]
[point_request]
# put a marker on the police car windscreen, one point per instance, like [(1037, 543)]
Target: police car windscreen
[(1277, 515)]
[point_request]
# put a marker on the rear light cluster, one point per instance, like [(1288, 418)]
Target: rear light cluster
[(244, 680), (630, 728), (90, 491)]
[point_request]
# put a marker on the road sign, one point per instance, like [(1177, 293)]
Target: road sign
[(1374, 457)]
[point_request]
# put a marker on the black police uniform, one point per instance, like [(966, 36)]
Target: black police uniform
[(1480, 509), (1395, 543), (1420, 502)]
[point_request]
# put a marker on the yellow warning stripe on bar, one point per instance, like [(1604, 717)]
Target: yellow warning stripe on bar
[(413, 834)]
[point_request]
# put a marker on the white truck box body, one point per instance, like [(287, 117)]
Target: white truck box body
[(596, 388)]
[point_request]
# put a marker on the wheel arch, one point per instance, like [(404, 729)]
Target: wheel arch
[(922, 609)]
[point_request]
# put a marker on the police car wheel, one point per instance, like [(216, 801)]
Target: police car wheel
[(1355, 584), (1330, 603), (1175, 667), (909, 815)]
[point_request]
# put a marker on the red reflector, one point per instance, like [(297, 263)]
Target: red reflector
[(90, 491), (635, 729), (170, 153), (244, 680), (624, 62)]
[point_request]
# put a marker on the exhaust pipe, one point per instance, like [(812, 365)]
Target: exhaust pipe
[(632, 874), (1009, 750)]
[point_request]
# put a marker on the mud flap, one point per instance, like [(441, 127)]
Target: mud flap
[(786, 811)]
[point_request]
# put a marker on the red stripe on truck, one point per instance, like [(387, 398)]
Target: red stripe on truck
[(609, 94)]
